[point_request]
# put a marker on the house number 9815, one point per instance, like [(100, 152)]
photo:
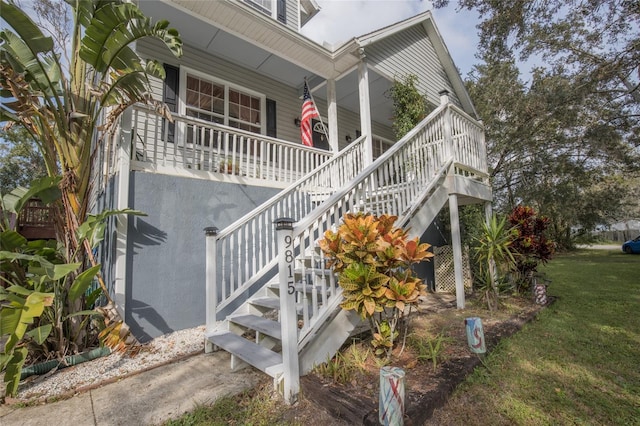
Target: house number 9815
[(288, 257)]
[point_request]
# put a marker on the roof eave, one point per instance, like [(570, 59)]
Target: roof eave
[(284, 41)]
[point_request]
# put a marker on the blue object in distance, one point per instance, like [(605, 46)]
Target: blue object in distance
[(632, 246)]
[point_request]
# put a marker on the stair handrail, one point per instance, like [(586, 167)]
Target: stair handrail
[(421, 157), (298, 199)]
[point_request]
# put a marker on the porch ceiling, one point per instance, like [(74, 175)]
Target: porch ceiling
[(278, 53)]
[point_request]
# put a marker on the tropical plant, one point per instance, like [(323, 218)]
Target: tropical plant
[(562, 133), (68, 112), (494, 257), (374, 260), (47, 309), (530, 242), (27, 270), (20, 308)]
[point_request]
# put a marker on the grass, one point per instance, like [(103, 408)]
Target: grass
[(254, 407), (578, 363)]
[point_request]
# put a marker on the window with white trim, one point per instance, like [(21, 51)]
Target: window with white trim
[(264, 6), (380, 146), (218, 102)]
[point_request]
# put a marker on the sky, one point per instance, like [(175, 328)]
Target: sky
[(341, 20)]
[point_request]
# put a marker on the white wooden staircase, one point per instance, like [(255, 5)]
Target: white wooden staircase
[(270, 301)]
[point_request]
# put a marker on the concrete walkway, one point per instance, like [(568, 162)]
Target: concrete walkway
[(147, 398)]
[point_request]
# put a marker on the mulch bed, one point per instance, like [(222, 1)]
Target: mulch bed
[(356, 405)]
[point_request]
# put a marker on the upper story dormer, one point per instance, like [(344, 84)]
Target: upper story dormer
[(291, 13)]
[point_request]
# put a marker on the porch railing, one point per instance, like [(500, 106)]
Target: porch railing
[(195, 144), (36, 220), (389, 185)]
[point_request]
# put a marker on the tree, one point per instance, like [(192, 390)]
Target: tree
[(20, 160), (596, 40), (67, 112), (567, 142), (547, 150)]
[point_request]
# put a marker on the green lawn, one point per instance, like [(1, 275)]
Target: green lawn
[(578, 363)]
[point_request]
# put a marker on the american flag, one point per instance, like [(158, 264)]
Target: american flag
[(309, 111)]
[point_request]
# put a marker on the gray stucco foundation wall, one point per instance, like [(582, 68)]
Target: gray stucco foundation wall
[(165, 284)]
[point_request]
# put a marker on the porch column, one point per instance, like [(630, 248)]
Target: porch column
[(332, 116), (448, 132), (365, 107), (122, 202), (488, 212), (457, 249)]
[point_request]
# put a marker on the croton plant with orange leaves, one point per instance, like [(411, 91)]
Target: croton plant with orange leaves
[(373, 260)]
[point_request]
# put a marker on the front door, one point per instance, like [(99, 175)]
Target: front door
[(320, 140)]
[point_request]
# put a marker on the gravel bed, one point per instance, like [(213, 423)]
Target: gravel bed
[(92, 373)]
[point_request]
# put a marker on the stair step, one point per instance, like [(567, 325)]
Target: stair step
[(260, 357), (266, 302), (299, 287), (317, 271), (261, 324), (273, 303)]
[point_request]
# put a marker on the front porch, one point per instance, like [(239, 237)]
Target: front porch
[(201, 149)]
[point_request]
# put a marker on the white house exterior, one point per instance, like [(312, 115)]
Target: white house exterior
[(236, 97)]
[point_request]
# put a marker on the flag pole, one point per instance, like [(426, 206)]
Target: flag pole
[(315, 105)]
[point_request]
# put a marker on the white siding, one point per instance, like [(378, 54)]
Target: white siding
[(288, 102), (411, 52), (292, 14)]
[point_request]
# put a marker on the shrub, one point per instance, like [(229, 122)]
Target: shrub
[(494, 256), (373, 260), (530, 243)]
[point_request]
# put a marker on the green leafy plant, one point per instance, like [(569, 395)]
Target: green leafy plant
[(373, 260), (336, 369), (36, 307), (20, 308), (409, 105), (429, 349), (47, 309), (494, 257), (358, 356)]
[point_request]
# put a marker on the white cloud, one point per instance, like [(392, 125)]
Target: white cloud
[(341, 20)]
